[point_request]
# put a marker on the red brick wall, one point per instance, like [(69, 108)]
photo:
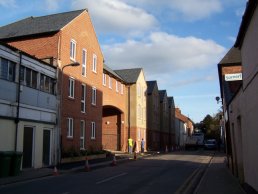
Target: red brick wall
[(58, 46), (40, 46), (113, 100)]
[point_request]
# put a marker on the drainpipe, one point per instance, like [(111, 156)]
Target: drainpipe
[(18, 103), (129, 113)]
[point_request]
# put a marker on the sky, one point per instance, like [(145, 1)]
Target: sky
[(177, 42)]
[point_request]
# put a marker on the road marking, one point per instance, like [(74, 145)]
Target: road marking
[(111, 178)]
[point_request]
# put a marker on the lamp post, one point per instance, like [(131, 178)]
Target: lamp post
[(75, 64)]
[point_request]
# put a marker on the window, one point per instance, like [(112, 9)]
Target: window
[(82, 135), (93, 130), (117, 88), (83, 99), (104, 79), (47, 84), (7, 69), (122, 88), (73, 50), (110, 82), (71, 88), (29, 77), (94, 63), (70, 127), (84, 62), (94, 96)]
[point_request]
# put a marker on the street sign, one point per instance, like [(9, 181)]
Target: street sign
[(233, 77)]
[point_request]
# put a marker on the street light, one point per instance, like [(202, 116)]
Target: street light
[(75, 64), (218, 99)]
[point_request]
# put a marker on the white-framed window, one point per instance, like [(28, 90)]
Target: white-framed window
[(73, 50), (122, 88), (94, 63), (110, 82), (93, 130), (104, 79), (83, 99), (117, 88), (82, 135), (70, 127), (94, 96), (84, 62), (71, 87)]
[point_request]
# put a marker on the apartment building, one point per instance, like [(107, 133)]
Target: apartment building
[(164, 119), (28, 107), (136, 103), (171, 122), (63, 39), (153, 116), (114, 121)]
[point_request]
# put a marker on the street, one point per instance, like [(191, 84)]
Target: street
[(166, 173)]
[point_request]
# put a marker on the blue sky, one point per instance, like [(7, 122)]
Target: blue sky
[(178, 43)]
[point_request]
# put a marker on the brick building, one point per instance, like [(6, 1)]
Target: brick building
[(171, 122), (164, 119), (136, 103), (63, 39), (114, 122), (153, 116)]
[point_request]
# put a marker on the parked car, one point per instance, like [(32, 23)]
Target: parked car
[(210, 144)]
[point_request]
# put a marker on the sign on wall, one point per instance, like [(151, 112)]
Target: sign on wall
[(233, 77)]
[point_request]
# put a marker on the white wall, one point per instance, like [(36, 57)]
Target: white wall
[(249, 102)]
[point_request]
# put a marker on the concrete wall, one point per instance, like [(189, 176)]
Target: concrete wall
[(7, 138)]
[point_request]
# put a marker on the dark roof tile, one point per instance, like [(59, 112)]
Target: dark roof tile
[(38, 25), (129, 75), (150, 86)]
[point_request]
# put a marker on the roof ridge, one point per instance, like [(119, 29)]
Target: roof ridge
[(54, 14)]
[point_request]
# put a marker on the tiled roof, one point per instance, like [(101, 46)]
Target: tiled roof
[(233, 56), (171, 101), (38, 25), (151, 86), (109, 70), (162, 94), (129, 75)]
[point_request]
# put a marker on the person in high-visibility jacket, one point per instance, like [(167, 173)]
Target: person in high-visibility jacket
[(130, 145)]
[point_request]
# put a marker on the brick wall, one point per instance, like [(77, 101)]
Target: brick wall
[(58, 46)]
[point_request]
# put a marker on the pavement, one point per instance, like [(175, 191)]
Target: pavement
[(214, 179), (217, 179)]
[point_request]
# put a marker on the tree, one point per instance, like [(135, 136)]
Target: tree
[(210, 126)]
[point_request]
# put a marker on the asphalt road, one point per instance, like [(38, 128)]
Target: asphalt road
[(160, 174)]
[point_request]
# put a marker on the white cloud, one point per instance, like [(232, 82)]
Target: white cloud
[(190, 10), (8, 3), (164, 54), (114, 16), (196, 9)]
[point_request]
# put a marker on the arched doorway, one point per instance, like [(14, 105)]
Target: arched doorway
[(112, 128)]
